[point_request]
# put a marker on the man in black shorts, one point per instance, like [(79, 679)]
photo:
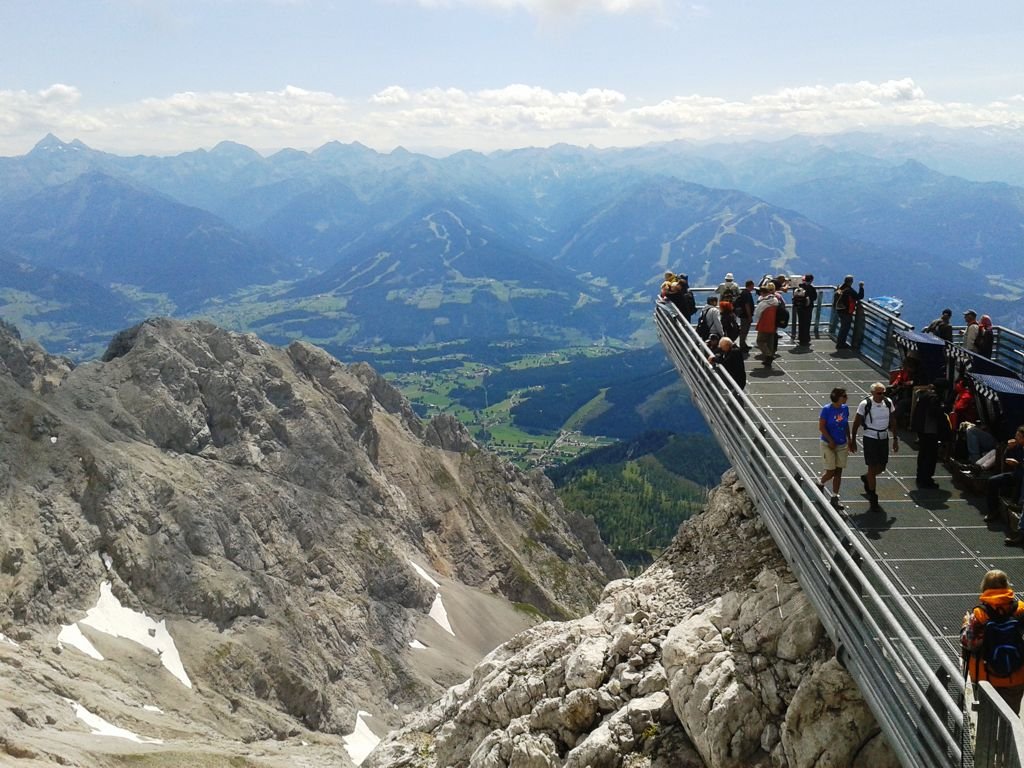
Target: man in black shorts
[(874, 415)]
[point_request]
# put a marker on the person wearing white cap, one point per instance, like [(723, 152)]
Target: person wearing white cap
[(729, 290)]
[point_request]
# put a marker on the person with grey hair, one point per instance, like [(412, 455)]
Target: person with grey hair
[(874, 414), (730, 357), (845, 306)]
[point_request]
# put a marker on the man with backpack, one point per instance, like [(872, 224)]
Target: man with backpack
[(845, 307), (709, 321), (805, 295), (991, 641), (874, 414), (941, 326), (729, 290)]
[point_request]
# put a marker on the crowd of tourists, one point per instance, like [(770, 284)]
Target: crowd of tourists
[(938, 413)]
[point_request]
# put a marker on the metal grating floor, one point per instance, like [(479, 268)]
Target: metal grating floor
[(933, 543)]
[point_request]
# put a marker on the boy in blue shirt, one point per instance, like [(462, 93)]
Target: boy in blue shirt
[(834, 426)]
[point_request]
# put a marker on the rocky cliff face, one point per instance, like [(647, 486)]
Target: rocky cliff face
[(713, 657), (314, 549)]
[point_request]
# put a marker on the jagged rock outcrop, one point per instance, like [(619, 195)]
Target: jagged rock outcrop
[(28, 364), (270, 504), (713, 657)]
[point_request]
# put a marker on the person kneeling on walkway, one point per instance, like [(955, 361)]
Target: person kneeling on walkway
[(991, 642), (874, 414)]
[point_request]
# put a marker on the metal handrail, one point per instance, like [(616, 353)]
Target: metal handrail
[(1000, 739), (911, 684), (1007, 347)]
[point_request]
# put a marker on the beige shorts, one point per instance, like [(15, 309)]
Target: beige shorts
[(835, 458)]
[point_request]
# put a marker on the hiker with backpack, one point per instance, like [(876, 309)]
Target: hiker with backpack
[(991, 641), (709, 320), (805, 295), (941, 326), (845, 306), (729, 290), (765, 323), (874, 414)]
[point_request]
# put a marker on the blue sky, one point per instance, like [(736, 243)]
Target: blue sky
[(155, 76)]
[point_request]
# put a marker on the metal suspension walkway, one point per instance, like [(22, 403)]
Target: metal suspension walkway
[(932, 544), (891, 588)]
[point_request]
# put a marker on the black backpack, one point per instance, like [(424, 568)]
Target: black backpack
[(1002, 649), (687, 304), (869, 401), (730, 327), (781, 316), (799, 296), (703, 327)]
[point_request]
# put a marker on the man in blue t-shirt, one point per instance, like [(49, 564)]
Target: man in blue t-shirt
[(834, 426)]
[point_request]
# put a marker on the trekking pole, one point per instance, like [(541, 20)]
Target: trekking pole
[(964, 738)]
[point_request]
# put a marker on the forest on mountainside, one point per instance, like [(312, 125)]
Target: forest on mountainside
[(640, 491)]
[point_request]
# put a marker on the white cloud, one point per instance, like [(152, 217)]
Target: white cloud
[(394, 94), (515, 115)]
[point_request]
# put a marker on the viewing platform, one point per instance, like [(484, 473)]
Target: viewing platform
[(892, 585)]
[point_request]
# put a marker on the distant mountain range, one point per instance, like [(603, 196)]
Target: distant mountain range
[(346, 246)]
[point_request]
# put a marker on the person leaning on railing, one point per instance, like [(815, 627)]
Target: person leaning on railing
[(990, 639)]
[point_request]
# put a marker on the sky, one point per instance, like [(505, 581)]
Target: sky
[(160, 77)]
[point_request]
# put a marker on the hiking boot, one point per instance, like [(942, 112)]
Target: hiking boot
[(1015, 540)]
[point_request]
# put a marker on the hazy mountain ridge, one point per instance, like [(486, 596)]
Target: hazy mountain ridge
[(611, 219), (111, 232)]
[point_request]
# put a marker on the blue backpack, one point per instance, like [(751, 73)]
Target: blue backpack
[(1002, 649)]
